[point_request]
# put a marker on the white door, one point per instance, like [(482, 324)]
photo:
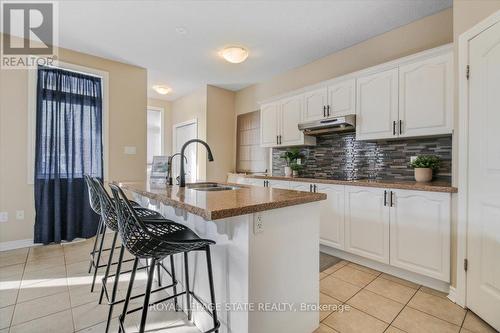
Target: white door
[(269, 124), (367, 223), (426, 97), (315, 102), (332, 216), (418, 218), (291, 116), (483, 242), (342, 98), (377, 105), (182, 133)]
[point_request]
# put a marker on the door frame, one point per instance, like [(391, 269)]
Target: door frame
[(194, 122), (460, 296)]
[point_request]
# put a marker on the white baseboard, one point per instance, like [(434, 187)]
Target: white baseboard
[(388, 269), (452, 294), (17, 244)]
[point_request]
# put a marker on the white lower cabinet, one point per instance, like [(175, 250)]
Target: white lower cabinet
[(366, 223), (332, 215), (281, 184), (420, 232), (406, 229)]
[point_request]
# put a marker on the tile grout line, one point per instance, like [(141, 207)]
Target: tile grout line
[(19, 288), (67, 287), (404, 307)]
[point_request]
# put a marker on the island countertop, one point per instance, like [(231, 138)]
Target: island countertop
[(222, 204)]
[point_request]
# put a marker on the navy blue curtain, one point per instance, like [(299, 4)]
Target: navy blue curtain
[(68, 145)]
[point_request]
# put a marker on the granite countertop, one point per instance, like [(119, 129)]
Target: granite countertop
[(434, 186), (222, 204)]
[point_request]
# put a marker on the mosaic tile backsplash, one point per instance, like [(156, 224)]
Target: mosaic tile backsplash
[(340, 156)]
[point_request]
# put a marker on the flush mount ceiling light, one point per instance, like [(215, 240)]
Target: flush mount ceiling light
[(234, 54), (162, 90)]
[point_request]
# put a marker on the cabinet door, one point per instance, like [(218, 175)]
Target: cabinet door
[(342, 98), (304, 187), (269, 124), (366, 223), (254, 181), (279, 184), (332, 216), (426, 97), (377, 105), (420, 233), (291, 116), (314, 102)]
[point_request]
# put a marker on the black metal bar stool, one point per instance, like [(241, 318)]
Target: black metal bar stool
[(155, 240), (95, 262), (109, 216)]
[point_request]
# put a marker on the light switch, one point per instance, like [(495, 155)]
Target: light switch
[(20, 214), (130, 150), (4, 217)]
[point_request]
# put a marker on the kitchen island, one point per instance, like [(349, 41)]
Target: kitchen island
[(265, 262)]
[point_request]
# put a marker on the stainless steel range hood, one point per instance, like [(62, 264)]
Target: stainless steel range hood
[(331, 125)]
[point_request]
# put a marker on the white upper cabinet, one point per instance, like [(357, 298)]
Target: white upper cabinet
[(279, 123), (367, 223), (341, 98), (315, 102), (420, 232), (377, 105), (291, 116), (426, 97), (269, 124)]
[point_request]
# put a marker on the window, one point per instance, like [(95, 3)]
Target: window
[(155, 136)]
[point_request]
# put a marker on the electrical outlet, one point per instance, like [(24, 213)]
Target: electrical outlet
[(129, 150), (4, 217), (258, 224), (20, 215), (413, 158)]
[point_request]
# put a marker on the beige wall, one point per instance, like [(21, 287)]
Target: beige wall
[(189, 107), (221, 132), (167, 122), (127, 127), (420, 35)]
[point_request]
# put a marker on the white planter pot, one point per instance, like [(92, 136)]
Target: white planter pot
[(288, 171), (295, 173), (423, 175)]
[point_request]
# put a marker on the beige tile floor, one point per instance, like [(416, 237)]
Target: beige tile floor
[(47, 289), (365, 300)]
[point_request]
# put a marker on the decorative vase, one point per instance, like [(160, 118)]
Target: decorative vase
[(423, 175), (295, 173), (288, 171)]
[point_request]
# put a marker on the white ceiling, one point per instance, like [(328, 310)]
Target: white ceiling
[(280, 35)]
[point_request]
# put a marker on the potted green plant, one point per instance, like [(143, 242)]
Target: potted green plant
[(424, 165), (291, 157), (295, 169)]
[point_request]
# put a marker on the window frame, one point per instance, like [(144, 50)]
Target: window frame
[(162, 134), (32, 86)]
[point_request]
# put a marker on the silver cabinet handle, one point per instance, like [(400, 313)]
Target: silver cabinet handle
[(400, 127), (324, 111), (392, 199), (328, 110), (394, 127), (385, 198)]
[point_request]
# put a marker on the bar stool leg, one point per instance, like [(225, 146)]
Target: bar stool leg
[(211, 283), (186, 279), (149, 284), (98, 233), (96, 268), (172, 270), (158, 266), (129, 293), (115, 286), (108, 267)]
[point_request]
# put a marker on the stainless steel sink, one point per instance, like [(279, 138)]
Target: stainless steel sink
[(211, 187)]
